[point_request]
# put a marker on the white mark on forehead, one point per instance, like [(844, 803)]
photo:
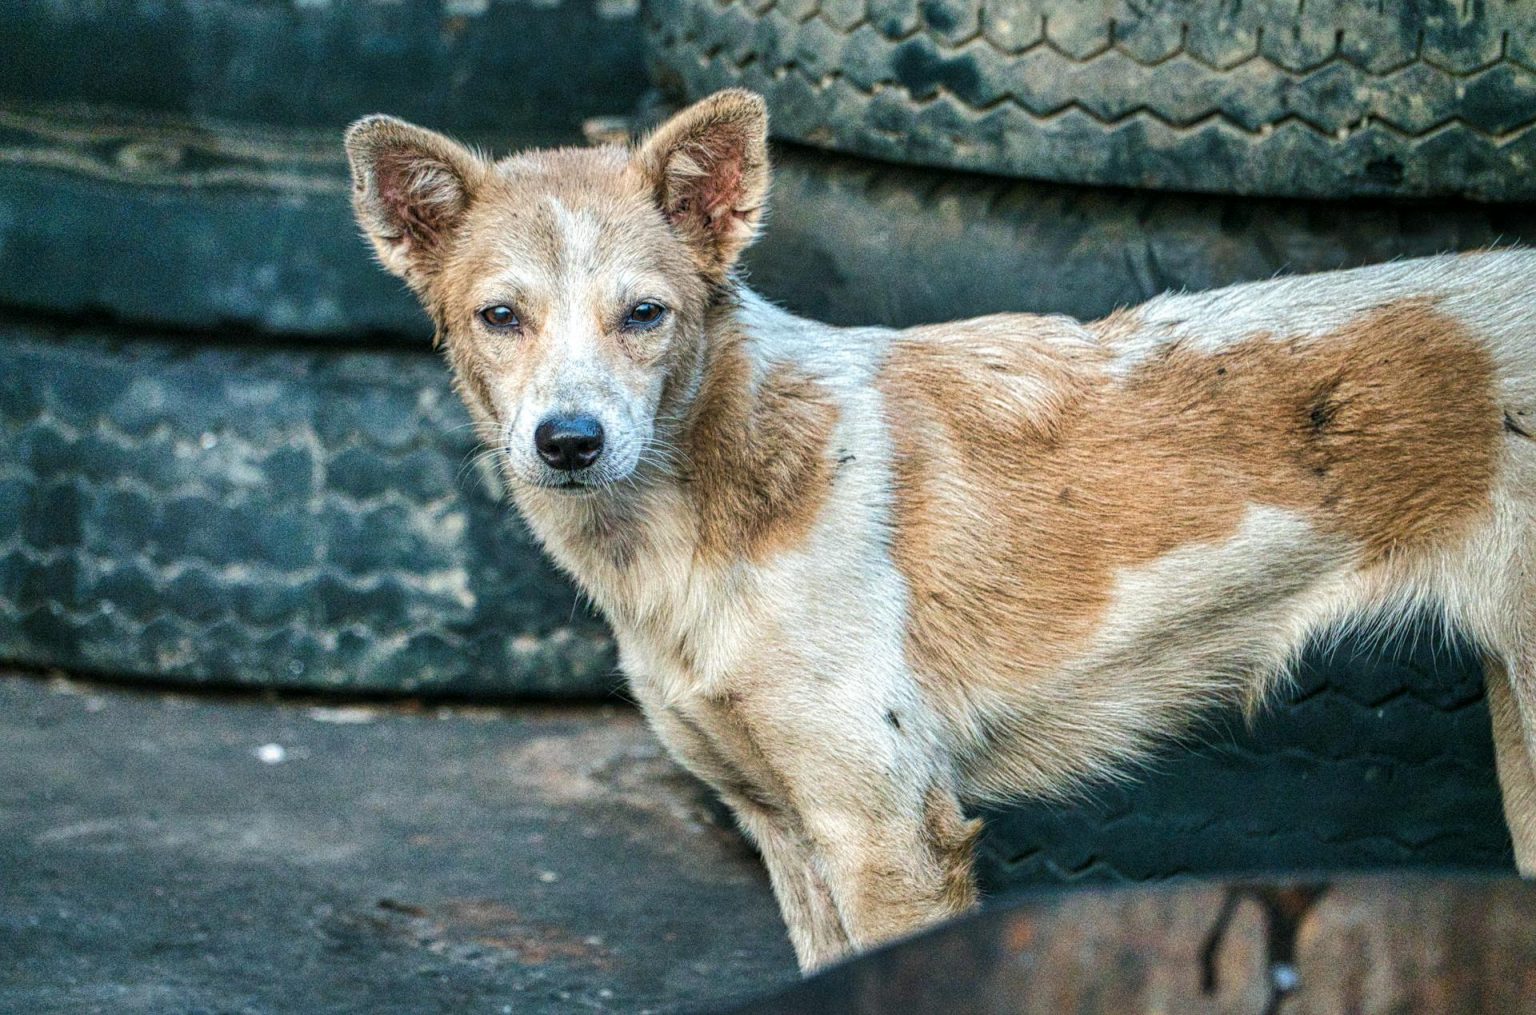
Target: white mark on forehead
[(570, 330), (578, 233)]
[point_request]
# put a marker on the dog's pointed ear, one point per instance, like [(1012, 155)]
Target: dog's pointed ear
[(708, 169), (410, 189)]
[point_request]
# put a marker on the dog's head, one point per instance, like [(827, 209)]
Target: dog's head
[(570, 286)]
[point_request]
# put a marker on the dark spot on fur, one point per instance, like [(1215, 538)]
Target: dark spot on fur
[(1323, 412), (1512, 426), (892, 718)]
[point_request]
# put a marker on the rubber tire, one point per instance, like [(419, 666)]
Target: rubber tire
[(1325, 99), (854, 241), (249, 235), (277, 518), (528, 70), (1379, 756)]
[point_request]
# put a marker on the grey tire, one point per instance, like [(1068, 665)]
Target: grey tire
[(273, 517), (1329, 98)]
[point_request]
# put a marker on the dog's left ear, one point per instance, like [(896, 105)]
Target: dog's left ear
[(708, 167), (410, 189)]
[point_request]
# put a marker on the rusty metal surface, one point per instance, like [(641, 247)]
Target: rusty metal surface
[(1385, 943)]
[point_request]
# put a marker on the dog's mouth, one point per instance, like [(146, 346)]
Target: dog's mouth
[(571, 486)]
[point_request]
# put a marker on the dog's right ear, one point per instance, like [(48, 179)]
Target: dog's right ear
[(708, 167), (410, 189)]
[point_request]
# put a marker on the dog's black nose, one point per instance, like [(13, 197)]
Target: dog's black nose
[(569, 442)]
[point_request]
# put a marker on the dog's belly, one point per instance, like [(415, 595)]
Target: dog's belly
[(1202, 625), (1267, 585)]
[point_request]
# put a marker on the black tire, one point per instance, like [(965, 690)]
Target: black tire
[(272, 518), (531, 71), (854, 241), (250, 232), (1381, 756), (1322, 99)]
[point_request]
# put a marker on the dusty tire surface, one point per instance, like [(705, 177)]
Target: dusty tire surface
[(854, 241), (189, 513), (1329, 98)]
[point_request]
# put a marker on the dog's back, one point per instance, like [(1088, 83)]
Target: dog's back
[(1207, 482)]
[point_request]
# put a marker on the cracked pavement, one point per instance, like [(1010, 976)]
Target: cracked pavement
[(197, 853)]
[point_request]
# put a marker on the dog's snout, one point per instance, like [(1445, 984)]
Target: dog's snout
[(569, 442)]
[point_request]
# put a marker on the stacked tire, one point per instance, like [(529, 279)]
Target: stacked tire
[(229, 456), (1370, 112), (1335, 98)]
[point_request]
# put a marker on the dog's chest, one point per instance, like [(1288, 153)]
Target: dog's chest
[(685, 642), (694, 677)]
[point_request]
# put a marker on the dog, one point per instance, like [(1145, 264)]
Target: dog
[(858, 576)]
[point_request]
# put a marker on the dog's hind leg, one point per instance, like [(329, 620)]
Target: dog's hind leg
[(1512, 744)]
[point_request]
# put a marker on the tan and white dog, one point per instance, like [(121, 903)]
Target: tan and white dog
[(859, 575)]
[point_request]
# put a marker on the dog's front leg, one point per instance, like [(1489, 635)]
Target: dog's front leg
[(871, 808), (851, 807), (899, 868), (805, 901), (708, 741)]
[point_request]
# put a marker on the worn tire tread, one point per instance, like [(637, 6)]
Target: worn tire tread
[(1317, 100)]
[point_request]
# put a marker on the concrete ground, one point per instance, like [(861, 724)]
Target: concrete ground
[(169, 853)]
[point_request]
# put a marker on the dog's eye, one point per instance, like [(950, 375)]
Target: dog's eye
[(645, 314), (500, 317)]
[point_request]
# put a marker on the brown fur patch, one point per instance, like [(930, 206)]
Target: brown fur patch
[(759, 468), (1405, 428), (1120, 325), (1010, 537)]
